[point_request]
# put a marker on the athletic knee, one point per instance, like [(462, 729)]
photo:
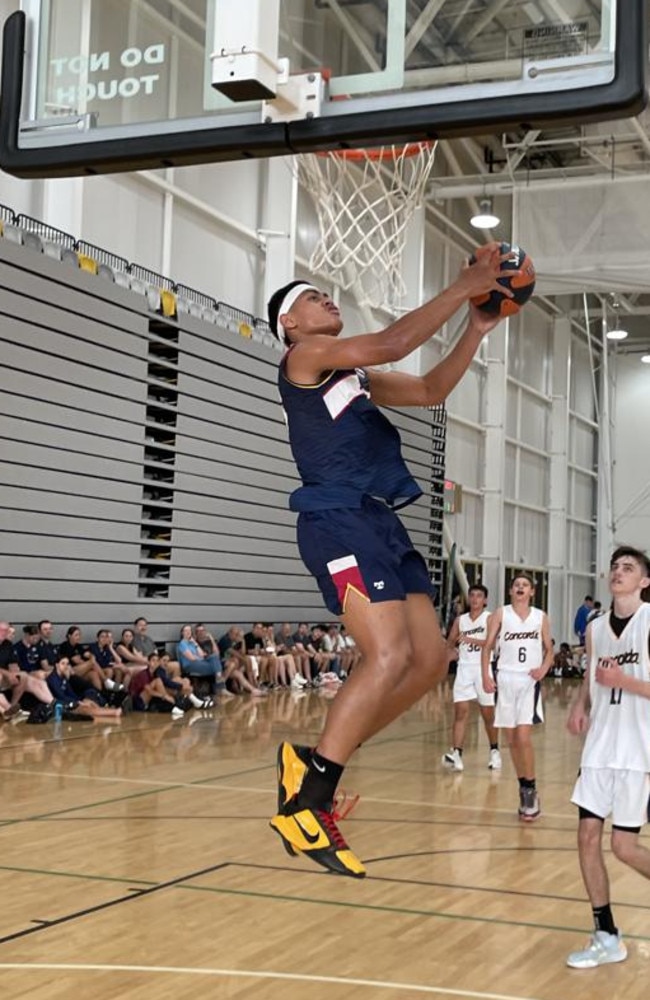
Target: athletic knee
[(590, 835), (395, 664), (623, 846)]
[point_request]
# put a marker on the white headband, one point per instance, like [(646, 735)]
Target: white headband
[(289, 300)]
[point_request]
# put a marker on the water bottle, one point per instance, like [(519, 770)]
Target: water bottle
[(58, 711)]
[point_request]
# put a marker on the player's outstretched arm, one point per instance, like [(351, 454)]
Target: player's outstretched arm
[(399, 389), (320, 352)]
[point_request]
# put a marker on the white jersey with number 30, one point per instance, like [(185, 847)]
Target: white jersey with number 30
[(520, 640), (469, 654), (619, 727)]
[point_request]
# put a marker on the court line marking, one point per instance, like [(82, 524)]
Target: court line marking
[(216, 785), (377, 984), (136, 893), (406, 910)]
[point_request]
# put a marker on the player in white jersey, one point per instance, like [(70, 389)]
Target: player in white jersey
[(468, 634), (613, 708), (525, 657)]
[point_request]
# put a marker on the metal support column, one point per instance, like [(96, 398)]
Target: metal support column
[(495, 461), (558, 545)]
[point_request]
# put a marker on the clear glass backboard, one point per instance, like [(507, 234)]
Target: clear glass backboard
[(91, 86)]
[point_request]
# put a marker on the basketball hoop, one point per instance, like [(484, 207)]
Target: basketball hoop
[(364, 200)]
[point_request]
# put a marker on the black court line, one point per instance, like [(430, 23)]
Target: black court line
[(133, 893), (263, 818), (158, 789), (427, 883)]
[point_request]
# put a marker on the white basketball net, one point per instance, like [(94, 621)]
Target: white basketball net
[(364, 202)]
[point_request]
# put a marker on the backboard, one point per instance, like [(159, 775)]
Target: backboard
[(92, 87)]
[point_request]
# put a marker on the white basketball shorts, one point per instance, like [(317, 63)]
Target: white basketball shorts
[(468, 685), (608, 791), (519, 700)]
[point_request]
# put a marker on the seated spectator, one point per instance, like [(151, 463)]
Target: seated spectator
[(148, 692), (286, 643), (47, 651), (60, 687), (326, 661), (8, 663), (254, 643), (14, 682), (107, 658), (351, 647), (302, 637), (83, 663), (232, 650), (205, 640), (287, 674), (7, 655), (127, 651), (332, 643), (194, 662), (563, 663), (142, 642), (26, 651), (182, 688)]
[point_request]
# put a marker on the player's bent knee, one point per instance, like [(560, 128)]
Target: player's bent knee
[(624, 845)]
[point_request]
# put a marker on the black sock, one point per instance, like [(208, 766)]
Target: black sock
[(527, 783), (319, 784), (459, 750), (603, 919), (494, 746)]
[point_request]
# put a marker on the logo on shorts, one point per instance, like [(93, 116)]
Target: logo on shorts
[(379, 584)]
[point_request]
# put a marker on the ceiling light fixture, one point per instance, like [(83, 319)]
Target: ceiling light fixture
[(616, 333), (645, 359), (485, 217)]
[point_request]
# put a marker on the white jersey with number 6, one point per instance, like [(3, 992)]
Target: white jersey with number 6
[(619, 727), (520, 641)]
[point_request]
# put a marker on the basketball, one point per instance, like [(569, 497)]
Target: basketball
[(496, 303)]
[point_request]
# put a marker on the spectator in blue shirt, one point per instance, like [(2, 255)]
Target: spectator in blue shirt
[(194, 661), (26, 651), (61, 690), (580, 621), (47, 651)]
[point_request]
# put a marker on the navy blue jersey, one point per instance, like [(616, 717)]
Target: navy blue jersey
[(61, 688), (344, 447)]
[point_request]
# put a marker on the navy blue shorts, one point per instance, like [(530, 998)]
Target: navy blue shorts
[(366, 550)]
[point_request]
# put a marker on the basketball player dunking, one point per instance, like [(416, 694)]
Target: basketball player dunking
[(613, 708), (525, 657), (354, 477)]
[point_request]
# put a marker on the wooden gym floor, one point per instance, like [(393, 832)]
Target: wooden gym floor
[(136, 861)]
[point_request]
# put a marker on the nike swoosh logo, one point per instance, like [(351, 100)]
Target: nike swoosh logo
[(318, 767), (311, 838)]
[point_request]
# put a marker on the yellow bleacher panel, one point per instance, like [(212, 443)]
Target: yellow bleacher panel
[(87, 263), (167, 302)]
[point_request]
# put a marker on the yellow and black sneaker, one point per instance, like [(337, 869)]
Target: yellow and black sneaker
[(293, 761), (314, 833)]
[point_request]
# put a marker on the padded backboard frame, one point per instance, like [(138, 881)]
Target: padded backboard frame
[(184, 142)]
